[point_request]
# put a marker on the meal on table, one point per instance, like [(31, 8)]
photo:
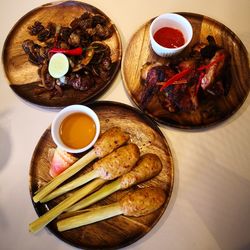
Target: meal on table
[(120, 163), (183, 82), (84, 59)]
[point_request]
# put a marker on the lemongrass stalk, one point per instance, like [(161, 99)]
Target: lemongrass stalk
[(81, 180), (98, 195), (95, 215), (42, 221), (147, 167), (54, 183)]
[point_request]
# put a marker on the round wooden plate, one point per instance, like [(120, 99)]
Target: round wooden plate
[(23, 76), (211, 111), (121, 230)]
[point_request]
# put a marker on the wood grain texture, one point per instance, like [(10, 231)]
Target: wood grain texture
[(211, 110), (23, 76), (121, 230)]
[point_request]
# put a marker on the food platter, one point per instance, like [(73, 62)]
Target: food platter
[(121, 230), (23, 75), (211, 111)]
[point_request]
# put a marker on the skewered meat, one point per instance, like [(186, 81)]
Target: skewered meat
[(118, 162), (142, 201), (110, 167), (138, 203), (110, 140), (146, 168), (82, 192)]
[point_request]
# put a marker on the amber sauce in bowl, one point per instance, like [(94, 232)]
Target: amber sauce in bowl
[(75, 128)]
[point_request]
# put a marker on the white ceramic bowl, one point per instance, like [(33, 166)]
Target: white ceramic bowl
[(170, 20), (55, 127)]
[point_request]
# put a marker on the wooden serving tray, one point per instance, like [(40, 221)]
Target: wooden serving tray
[(121, 230), (211, 110), (22, 75)]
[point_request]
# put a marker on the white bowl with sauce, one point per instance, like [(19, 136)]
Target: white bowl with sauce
[(75, 128), (167, 25)]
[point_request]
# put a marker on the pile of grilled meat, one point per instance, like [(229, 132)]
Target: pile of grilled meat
[(182, 83), (88, 69)]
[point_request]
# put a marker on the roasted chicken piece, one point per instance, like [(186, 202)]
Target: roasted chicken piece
[(138, 203), (179, 83), (179, 96), (211, 81), (151, 75)]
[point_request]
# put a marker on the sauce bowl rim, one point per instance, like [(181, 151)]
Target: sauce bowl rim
[(61, 115)]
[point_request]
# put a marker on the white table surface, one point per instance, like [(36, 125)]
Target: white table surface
[(210, 204)]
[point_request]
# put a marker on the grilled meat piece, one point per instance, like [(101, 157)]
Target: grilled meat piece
[(65, 33), (179, 97), (80, 82), (147, 167), (74, 39), (210, 81), (204, 70), (34, 51), (154, 75), (119, 162), (92, 67), (137, 203), (142, 201), (98, 19), (209, 50), (109, 141), (36, 28)]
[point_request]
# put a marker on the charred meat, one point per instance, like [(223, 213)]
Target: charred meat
[(89, 68), (180, 83)]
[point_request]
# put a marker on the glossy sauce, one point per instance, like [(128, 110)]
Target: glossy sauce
[(77, 130), (169, 37)]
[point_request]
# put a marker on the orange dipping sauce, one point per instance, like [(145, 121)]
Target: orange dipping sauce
[(169, 37), (77, 130)]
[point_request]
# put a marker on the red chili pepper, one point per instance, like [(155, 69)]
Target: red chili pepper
[(174, 78), (219, 59), (70, 52)]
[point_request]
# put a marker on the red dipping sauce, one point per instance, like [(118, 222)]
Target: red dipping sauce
[(169, 37)]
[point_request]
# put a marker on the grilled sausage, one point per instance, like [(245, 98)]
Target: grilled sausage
[(147, 167), (110, 140), (118, 162), (143, 201)]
